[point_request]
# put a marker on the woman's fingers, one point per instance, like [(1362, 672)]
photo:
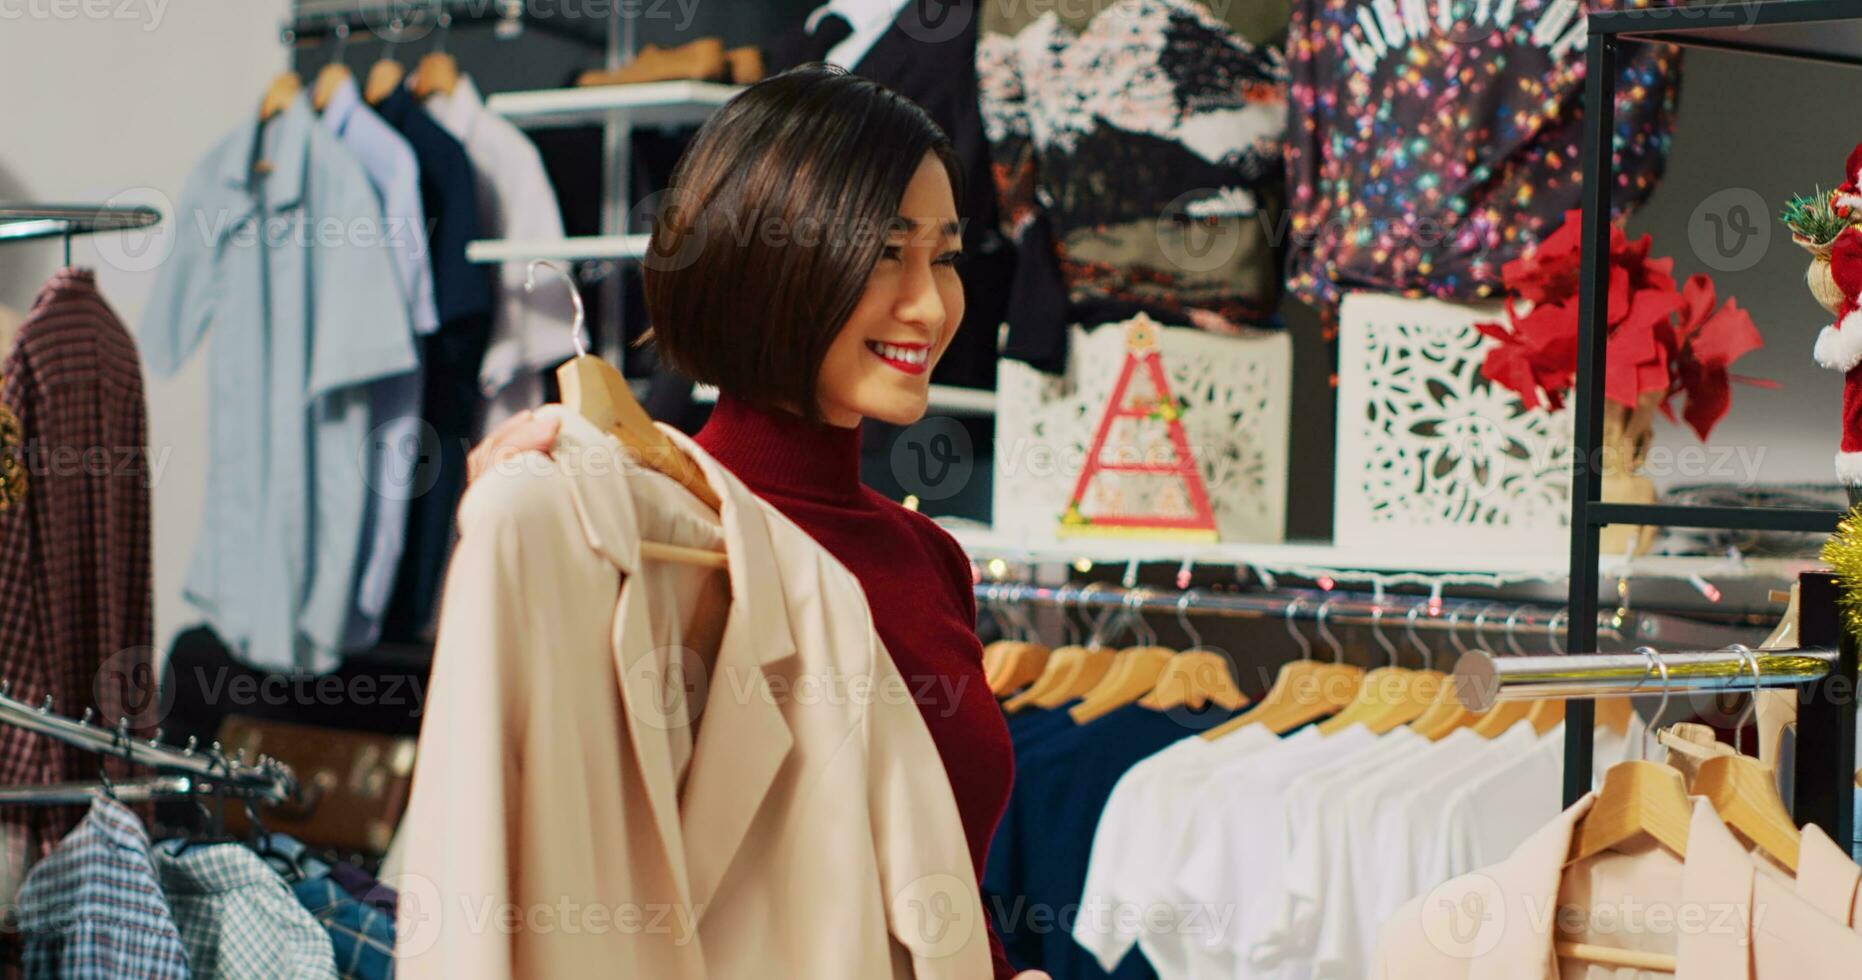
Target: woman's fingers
[(524, 433)]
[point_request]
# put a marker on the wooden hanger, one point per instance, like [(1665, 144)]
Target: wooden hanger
[(386, 74), (1134, 671), (279, 95), (1745, 793), (1445, 712), (1195, 677), (1389, 696), (333, 74), (1021, 662), (1638, 799), (1304, 690), (593, 389), (1065, 667), (437, 73)]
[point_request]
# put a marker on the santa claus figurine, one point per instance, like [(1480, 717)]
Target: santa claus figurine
[(1839, 348)]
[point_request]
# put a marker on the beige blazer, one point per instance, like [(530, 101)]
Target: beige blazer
[(591, 799), (1716, 912)]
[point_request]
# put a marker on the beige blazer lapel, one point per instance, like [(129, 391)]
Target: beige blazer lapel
[(612, 525), (1525, 886), (743, 736), (1827, 878)]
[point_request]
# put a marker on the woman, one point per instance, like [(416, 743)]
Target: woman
[(805, 264)]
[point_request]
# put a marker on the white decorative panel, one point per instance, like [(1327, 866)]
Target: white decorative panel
[(1237, 394), (1430, 454)]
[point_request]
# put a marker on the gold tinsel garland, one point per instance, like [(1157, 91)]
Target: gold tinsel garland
[(1843, 553)]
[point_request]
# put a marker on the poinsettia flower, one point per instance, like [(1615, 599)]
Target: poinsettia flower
[(1710, 341)]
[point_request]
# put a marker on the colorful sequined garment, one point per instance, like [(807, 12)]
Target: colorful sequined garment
[(1148, 133), (1431, 141)]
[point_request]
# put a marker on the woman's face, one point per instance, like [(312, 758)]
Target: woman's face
[(879, 365)]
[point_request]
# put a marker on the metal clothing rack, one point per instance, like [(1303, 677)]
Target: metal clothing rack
[(26, 222), (1814, 30), (393, 19), (1823, 670), (209, 770)]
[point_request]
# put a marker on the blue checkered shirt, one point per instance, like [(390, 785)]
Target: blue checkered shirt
[(93, 910), (362, 935)]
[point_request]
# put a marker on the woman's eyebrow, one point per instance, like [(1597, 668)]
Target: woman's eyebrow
[(950, 227)]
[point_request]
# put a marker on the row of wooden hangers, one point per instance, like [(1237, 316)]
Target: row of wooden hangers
[(437, 73)]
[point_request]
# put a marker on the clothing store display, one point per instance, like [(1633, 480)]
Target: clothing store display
[(394, 403), (602, 794), (93, 910), (1391, 192), (75, 600), (311, 323), (450, 360), (914, 576), (701, 60), (1064, 779), (867, 21), (529, 332), (1149, 133), (1726, 917), (361, 936), (237, 917)]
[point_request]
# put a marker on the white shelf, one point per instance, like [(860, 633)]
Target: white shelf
[(561, 249), (1341, 560), (645, 104), (947, 399)]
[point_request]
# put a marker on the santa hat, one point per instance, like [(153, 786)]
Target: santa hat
[(1848, 195)]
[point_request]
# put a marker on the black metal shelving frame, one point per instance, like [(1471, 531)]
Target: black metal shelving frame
[(1828, 31)]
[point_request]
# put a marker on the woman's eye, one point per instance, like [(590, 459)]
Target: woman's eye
[(950, 258), (892, 252)]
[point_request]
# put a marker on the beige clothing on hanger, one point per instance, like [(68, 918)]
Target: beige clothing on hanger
[(568, 820), (1715, 912)]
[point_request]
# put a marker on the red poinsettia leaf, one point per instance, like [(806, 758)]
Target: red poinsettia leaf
[(1620, 295), (1709, 396), (1726, 336), (1496, 331), (1697, 299), (1508, 367)]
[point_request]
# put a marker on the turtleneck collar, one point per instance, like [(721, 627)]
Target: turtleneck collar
[(777, 453)]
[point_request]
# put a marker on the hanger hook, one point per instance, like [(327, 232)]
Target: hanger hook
[(1183, 618), (1140, 630), (1750, 659), (1552, 630), (1325, 632), (1067, 628), (1512, 640), (342, 43), (1095, 638), (1377, 632), (1454, 630), (1662, 706), (446, 29), (575, 296), (1294, 631), (1480, 625), (1409, 630)]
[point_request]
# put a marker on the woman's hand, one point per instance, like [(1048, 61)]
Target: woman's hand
[(525, 433)]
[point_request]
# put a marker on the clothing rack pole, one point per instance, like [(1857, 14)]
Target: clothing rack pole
[(1483, 679), (1341, 609), (317, 18), (21, 222), (268, 775)]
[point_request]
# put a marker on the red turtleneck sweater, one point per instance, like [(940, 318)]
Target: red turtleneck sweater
[(917, 582)]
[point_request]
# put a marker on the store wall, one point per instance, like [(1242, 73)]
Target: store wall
[(1752, 133), (121, 106)]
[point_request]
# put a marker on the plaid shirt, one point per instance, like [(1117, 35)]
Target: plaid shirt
[(93, 909), (238, 918), (362, 936), (75, 619)]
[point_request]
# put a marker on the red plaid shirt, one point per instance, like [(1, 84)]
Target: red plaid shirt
[(75, 603)]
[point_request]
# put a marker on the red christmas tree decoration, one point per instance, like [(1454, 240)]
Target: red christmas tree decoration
[(1141, 353)]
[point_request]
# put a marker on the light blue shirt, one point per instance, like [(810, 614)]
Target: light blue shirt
[(305, 314), (394, 403)]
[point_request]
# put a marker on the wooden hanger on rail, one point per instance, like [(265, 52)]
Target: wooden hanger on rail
[(595, 390), (438, 72), (386, 74), (1134, 671), (1745, 792), (1197, 676), (334, 74), (282, 89), (1071, 668), (1305, 689)]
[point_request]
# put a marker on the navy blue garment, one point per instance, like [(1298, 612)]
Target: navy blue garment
[(1037, 870), (449, 360), (1035, 723), (1027, 728)]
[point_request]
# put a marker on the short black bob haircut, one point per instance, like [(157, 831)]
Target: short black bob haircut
[(772, 221)]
